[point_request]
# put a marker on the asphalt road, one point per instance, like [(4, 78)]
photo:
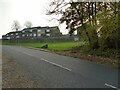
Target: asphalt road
[(58, 71)]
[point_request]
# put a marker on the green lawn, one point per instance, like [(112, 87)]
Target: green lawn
[(51, 46)]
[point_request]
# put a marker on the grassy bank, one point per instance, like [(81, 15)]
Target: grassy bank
[(80, 46), (51, 46)]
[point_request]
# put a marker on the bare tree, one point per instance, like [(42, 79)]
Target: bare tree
[(57, 6), (28, 24), (16, 25)]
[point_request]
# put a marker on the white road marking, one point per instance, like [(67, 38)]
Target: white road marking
[(27, 53), (111, 86), (50, 62), (56, 64)]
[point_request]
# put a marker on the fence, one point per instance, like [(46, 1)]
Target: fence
[(47, 39)]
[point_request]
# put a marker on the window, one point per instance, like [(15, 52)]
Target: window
[(47, 34), (30, 30), (23, 35), (30, 34), (17, 36), (39, 34), (48, 30), (34, 35), (11, 34), (8, 37), (16, 33), (39, 30)]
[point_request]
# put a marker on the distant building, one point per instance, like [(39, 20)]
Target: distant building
[(12, 35), (34, 32)]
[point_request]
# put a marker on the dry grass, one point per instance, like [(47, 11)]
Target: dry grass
[(95, 59)]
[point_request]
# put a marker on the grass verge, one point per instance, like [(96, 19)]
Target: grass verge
[(51, 46)]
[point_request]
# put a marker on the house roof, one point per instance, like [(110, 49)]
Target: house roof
[(14, 32), (39, 27)]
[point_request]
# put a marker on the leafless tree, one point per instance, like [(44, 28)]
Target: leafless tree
[(57, 6), (28, 24), (16, 25)]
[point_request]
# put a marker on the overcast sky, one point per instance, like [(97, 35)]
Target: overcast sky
[(23, 10)]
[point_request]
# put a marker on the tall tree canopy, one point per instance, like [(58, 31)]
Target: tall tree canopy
[(98, 21)]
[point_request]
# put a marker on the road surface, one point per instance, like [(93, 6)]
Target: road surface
[(58, 71)]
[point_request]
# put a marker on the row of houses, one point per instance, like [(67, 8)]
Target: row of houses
[(34, 32)]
